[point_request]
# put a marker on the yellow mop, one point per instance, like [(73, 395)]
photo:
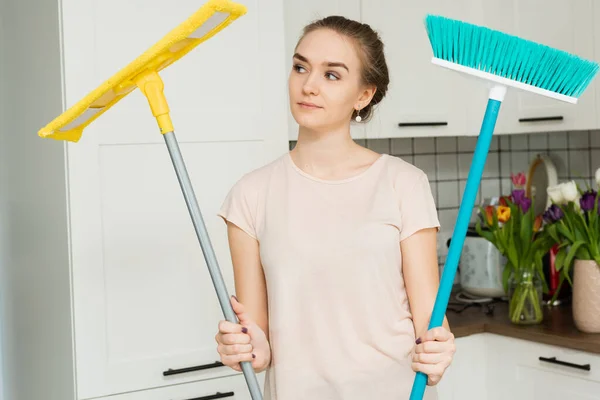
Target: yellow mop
[(142, 73)]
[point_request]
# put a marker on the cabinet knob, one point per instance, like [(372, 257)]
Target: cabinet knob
[(553, 360), (217, 395), (542, 119), (171, 371), (403, 124)]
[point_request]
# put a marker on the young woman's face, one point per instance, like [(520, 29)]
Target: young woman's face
[(325, 81)]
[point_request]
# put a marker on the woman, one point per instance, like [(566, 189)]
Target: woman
[(333, 245)]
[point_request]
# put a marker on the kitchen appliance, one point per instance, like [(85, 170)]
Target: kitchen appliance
[(480, 267)]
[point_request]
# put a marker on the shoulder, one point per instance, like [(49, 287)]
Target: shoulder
[(403, 174)]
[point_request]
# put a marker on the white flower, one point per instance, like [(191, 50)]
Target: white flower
[(598, 177), (563, 193), (555, 194), (569, 191)]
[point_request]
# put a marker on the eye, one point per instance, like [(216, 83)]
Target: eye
[(332, 76), (298, 68)]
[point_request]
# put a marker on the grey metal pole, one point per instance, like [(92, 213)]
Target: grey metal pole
[(209, 254)]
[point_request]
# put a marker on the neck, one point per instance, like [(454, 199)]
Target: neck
[(324, 152)]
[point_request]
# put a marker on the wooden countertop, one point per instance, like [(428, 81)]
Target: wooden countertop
[(557, 328)]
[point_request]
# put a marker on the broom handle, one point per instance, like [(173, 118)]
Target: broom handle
[(496, 96), (209, 254)]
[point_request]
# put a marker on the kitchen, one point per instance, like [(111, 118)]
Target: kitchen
[(84, 316)]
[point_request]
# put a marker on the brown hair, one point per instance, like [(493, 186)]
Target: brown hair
[(370, 52)]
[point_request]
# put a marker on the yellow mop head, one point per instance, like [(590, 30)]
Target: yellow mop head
[(211, 18)]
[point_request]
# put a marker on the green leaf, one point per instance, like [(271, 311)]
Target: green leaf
[(572, 252), (559, 262)]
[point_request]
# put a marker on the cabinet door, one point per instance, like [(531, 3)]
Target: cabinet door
[(143, 299), (298, 14), (565, 25), (228, 388), (423, 99), (528, 370), (465, 379)]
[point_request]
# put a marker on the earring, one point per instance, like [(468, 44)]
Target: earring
[(358, 118)]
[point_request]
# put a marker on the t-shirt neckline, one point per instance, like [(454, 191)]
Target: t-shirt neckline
[(333, 181)]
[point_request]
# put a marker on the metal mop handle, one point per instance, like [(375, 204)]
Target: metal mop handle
[(207, 249)]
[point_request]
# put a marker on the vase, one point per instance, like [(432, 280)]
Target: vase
[(586, 296), (525, 292)]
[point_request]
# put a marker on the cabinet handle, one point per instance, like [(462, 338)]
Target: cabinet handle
[(217, 395), (171, 371), (401, 124), (553, 360), (538, 119)]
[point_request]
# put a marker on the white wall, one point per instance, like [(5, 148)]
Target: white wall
[(34, 267)]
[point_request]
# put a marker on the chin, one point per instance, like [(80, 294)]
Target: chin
[(311, 119)]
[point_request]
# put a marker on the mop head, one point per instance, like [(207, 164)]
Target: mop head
[(211, 18), (508, 60)]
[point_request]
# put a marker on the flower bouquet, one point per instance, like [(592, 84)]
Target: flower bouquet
[(514, 230), (573, 221)]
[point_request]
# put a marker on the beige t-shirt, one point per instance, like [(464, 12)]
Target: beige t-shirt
[(339, 320)]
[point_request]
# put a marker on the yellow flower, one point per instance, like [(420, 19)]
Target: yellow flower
[(503, 213)]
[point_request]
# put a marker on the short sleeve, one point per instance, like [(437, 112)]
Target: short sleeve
[(239, 207), (417, 208)]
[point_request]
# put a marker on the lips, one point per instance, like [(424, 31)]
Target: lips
[(308, 105)]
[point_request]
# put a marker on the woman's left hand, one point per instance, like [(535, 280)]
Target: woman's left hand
[(434, 353)]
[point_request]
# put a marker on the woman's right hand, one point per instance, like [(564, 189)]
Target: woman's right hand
[(245, 341)]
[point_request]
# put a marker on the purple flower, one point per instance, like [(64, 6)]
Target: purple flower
[(525, 204), (588, 200), (519, 198), (553, 214), (518, 195)]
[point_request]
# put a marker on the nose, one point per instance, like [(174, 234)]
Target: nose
[(310, 86)]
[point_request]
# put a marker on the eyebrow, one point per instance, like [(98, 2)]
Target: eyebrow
[(330, 63)]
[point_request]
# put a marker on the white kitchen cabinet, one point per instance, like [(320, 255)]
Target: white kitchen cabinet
[(298, 14), (422, 99), (465, 378), (524, 369), (228, 388), (104, 285), (495, 367), (564, 25)]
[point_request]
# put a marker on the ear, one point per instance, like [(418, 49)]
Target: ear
[(366, 95)]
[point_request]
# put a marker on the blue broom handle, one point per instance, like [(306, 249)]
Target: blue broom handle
[(460, 230)]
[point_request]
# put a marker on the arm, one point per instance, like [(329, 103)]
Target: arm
[(250, 286), (435, 348), (421, 276)]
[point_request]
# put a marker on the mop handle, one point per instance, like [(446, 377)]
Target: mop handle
[(209, 254), (462, 223)]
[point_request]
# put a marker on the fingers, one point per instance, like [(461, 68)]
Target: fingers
[(240, 311), (439, 333), (431, 370), (234, 349), (226, 327), (432, 347), (433, 358), (434, 372), (233, 361)]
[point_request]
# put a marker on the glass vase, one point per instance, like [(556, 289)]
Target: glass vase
[(525, 294)]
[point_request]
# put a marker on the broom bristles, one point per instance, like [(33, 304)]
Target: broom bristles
[(509, 56)]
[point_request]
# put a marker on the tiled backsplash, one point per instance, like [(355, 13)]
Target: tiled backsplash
[(446, 161)]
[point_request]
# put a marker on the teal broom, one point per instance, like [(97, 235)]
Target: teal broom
[(503, 61)]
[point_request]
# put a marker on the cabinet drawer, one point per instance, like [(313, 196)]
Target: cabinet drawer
[(227, 388), (552, 359)]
